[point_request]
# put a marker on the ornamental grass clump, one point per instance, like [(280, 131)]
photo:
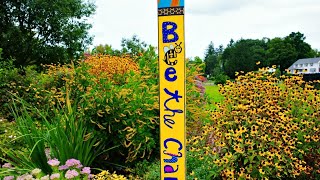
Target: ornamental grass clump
[(267, 127), (65, 133)]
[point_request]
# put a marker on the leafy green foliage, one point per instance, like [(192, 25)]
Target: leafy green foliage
[(210, 59), (13, 81), (120, 105), (281, 52), (285, 51), (105, 49), (8, 139), (65, 134), (302, 48), (243, 55), (133, 46), (43, 32)]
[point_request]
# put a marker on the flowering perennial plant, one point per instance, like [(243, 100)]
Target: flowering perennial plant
[(108, 66), (267, 127), (71, 170), (106, 175)]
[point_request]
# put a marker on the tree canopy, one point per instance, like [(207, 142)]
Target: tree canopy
[(210, 59), (42, 31), (250, 54), (243, 56)]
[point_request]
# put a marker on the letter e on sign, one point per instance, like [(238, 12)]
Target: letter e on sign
[(171, 71)]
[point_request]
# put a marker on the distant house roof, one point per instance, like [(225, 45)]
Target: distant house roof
[(304, 61)]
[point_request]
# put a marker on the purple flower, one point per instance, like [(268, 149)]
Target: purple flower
[(55, 176), (63, 167), (71, 174), (7, 165), (8, 178), (73, 162), (54, 162), (86, 170)]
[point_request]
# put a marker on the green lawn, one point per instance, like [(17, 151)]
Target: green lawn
[(214, 94)]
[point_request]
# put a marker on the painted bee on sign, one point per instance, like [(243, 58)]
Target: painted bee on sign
[(171, 54)]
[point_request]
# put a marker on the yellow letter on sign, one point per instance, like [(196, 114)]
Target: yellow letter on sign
[(172, 89)]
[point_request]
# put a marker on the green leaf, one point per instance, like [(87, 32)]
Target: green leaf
[(252, 157), (245, 161)]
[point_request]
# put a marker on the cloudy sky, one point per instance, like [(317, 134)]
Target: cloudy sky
[(208, 20)]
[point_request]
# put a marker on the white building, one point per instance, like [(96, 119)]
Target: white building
[(305, 66)]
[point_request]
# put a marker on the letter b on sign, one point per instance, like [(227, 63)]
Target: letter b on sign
[(168, 32)]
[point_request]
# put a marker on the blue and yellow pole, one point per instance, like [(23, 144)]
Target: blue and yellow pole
[(172, 89)]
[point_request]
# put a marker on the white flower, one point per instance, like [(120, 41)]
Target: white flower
[(25, 177), (35, 171), (45, 177)]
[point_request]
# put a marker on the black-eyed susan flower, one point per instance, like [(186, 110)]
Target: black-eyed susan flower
[(262, 171)]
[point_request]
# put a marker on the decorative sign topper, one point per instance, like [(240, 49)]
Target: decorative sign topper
[(172, 89)]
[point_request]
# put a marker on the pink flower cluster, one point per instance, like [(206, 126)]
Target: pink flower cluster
[(54, 162), (73, 163), (6, 165), (55, 176), (73, 166), (69, 166), (8, 178), (71, 174), (200, 86)]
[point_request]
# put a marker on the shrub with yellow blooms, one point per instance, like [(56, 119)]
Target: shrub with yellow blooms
[(118, 99), (197, 114), (267, 127), (119, 102), (110, 66), (106, 175)]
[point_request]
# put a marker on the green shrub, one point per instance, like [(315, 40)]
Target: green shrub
[(220, 78), (123, 110), (14, 81), (121, 106), (8, 139)]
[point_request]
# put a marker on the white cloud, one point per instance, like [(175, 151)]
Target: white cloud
[(209, 20), (216, 7)]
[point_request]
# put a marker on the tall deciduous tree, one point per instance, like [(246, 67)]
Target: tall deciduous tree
[(281, 53), (302, 48), (133, 46), (285, 51), (42, 31), (243, 55)]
